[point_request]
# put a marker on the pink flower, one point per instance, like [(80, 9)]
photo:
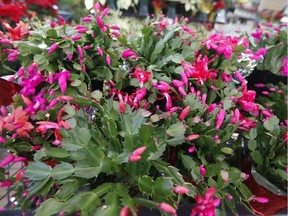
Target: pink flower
[(87, 19), (125, 211), (53, 48), (284, 67), (104, 12), (206, 205), (76, 37), (121, 103), (259, 54), (239, 76), (257, 34), (260, 199), (220, 118), (108, 60), (192, 137), (129, 53), (62, 80), (180, 189), (101, 24), (45, 125), (168, 105), (184, 113), (5, 183), (100, 51), (136, 154), (211, 107), (166, 208), (8, 159), (202, 170), (142, 76)]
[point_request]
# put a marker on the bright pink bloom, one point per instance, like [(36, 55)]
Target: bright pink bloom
[(220, 118), (136, 154), (140, 94), (142, 76), (184, 113), (87, 19), (239, 76), (8, 159), (108, 60), (76, 37), (129, 53), (191, 149), (192, 137), (180, 189), (97, 7), (202, 170), (53, 48), (121, 103), (284, 67), (45, 125), (101, 24), (211, 107), (105, 12), (100, 51), (166, 208), (260, 199), (125, 211), (259, 54), (168, 101), (257, 35), (199, 70), (206, 205), (5, 183), (62, 80)]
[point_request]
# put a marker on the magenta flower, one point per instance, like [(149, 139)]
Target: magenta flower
[(108, 60), (6, 183), (62, 80), (140, 94), (53, 48), (105, 12), (13, 56), (168, 105), (8, 159), (239, 76), (184, 113), (257, 35), (76, 37), (129, 53), (166, 208), (100, 51), (101, 24), (142, 76), (121, 103), (259, 54), (206, 205), (87, 19), (260, 199), (284, 67), (220, 118), (202, 170), (211, 107)]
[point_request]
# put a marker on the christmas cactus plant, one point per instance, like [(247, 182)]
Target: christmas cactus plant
[(107, 122)]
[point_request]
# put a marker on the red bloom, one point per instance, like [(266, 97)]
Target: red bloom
[(206, 205), (199, 70), (142, 76), (13, 11), (18, 32)]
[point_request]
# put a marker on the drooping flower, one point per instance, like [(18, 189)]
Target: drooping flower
[(206, 205), (129, 53), (284, 67), (199, 70), (202, 170), (62, 80), (6, 183)]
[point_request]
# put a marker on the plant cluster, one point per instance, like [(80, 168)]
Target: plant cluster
[(107, 122)]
